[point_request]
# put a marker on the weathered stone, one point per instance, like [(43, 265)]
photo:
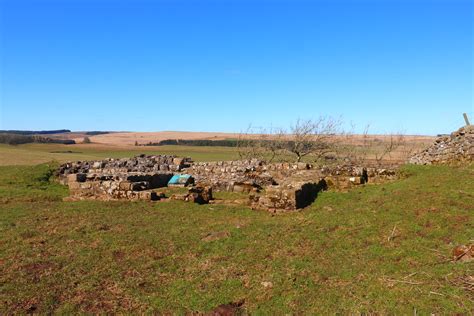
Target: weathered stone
[(125, 185), (244, 187), (74, 185), (456, 148), (178, 161), (71, 178), (200, 195), (179, 197), (288, 197)]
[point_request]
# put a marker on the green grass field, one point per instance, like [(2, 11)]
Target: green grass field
[(381, 249), (30, 154)]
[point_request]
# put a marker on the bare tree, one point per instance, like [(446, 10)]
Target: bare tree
[(313, 137), (249, 144), (389, 147), (353, 149)]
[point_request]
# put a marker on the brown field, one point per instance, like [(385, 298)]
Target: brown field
[(129, 138), (411, 143)]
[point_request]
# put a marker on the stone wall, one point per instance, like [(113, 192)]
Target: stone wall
[(243, 175), (130, 186), (275, 186), (116, 179), (139, 164), (455, 148)]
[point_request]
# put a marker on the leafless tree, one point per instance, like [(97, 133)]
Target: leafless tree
[(388, 147), (313, 137), (353, 149), (249, 144)]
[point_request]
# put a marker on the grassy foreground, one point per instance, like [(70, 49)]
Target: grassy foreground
[(382, 249)]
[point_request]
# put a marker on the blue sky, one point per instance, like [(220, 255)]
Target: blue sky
[(222, 65)]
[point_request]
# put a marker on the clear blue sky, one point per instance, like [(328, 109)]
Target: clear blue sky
[(221, 65)]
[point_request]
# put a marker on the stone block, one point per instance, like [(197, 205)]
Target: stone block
[(200, 194), (288, 197), (125, 185), (85, 185), (244, 187), (74, 185), (71, 178), (178, 161)]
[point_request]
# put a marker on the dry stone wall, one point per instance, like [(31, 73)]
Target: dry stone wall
[(239, 175), (131, 186), (116, 179), (455, 148), (275, 186), (138, 164)]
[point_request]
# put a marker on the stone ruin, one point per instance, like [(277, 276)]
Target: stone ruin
[(116, 179), (450, 149), (270, 186)]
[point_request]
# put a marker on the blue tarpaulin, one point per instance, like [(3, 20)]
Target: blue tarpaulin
[(180, 179)]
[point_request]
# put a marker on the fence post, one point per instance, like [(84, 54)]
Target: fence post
[(466, 119)]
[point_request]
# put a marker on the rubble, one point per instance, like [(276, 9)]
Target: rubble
[(455, 148)]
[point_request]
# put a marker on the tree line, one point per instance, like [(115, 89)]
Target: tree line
[(19, 132), (18, 139)]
